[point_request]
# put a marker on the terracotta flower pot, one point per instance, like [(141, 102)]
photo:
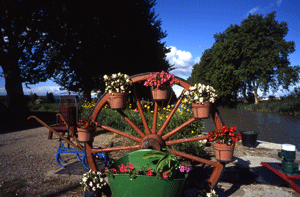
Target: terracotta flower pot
[(223, 152), (83, 135), (201, 110), (118, 101), (160, 94)]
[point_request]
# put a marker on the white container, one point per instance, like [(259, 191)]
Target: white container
[(288, 147)]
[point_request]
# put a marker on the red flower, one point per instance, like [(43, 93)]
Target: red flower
[(232, 129), (225, 129), (150, 172)]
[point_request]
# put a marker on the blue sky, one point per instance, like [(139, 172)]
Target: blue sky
[(191, 25)]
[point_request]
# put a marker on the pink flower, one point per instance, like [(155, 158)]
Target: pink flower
[(150, 172), (136, 110), (166, 175), (181, 168)]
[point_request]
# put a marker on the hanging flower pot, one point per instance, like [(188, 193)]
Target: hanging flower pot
[(201, 110), (160, 84), (160, 94), (224, 152), (118, 101), (83, 135)]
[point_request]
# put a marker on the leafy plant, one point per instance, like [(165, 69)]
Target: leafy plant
[(224, 136), (160, 80), (91, 181), (199, 93), (117, 83)]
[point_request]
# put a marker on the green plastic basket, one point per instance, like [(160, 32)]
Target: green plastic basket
[(122, 185)]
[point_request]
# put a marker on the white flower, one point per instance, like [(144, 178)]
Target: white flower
[(122, 88), (101, 179), (84, 179), (196, 97), (126, 77), (91, 184), (117, 90), (201, 99), (105, 77), (119, 74), (94, 188), (114, 76)]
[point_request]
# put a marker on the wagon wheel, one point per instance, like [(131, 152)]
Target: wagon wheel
[(155, 139)]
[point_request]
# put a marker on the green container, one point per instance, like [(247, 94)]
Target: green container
[(122, 185)]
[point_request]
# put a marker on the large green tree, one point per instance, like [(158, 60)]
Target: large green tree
[(107, 38), (249, 57), (23, 42)]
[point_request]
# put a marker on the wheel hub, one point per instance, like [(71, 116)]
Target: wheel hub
[(152, 141)]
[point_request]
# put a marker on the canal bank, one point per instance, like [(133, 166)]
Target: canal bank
[(275, 128)]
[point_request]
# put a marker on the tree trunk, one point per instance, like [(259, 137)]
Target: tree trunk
[(255, 93), (14, 89), (87, 95), (244, 93)]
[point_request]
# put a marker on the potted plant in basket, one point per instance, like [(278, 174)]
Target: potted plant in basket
[(200, 96), (224, 141), (160, 84), (145, 173), (86, 129), (118, 86), (92, 183)]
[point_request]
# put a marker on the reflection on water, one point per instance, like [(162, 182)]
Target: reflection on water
[(272, 127)]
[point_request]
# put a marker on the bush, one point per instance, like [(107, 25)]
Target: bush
[(113, 119)]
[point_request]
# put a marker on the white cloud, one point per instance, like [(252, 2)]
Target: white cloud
[(42, 90), (278, 2), (253, 10), (182, 60)]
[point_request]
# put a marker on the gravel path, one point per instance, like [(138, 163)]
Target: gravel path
[(27, 157), (28, 166)]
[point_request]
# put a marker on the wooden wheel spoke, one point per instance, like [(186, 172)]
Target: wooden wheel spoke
[(169, 117), (184, 140), (180, 127), (115, 149), (155, 117), (216, 173), (131, 123), (139, 106), (121, 133)]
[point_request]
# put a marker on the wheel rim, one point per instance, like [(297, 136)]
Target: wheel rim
[(152, 138)]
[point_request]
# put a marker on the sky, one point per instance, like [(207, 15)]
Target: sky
[(191, 24)]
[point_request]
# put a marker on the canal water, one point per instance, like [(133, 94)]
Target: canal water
[(272, 127)]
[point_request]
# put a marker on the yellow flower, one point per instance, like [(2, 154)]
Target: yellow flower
[(167, 116), (168, 106), (172, 105), (192, 132), (164, 108), (152, 112), (188, 110), (145, 106), (158, 124), (148, 107), (160, 117)]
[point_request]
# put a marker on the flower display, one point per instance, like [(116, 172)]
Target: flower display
[(225, 136), (160, 80), (86, 123), (92, 181), (199, 93), (133, 172), (167, 167), (119, 83)]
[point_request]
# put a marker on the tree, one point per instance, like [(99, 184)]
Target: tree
[(104, 39), (25, 34), (249, 57)]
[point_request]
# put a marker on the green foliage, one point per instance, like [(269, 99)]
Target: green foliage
[(113, 119), (104, 30), (247, 57)]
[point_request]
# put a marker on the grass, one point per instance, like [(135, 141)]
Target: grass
[(113, 119), (285, 106)]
